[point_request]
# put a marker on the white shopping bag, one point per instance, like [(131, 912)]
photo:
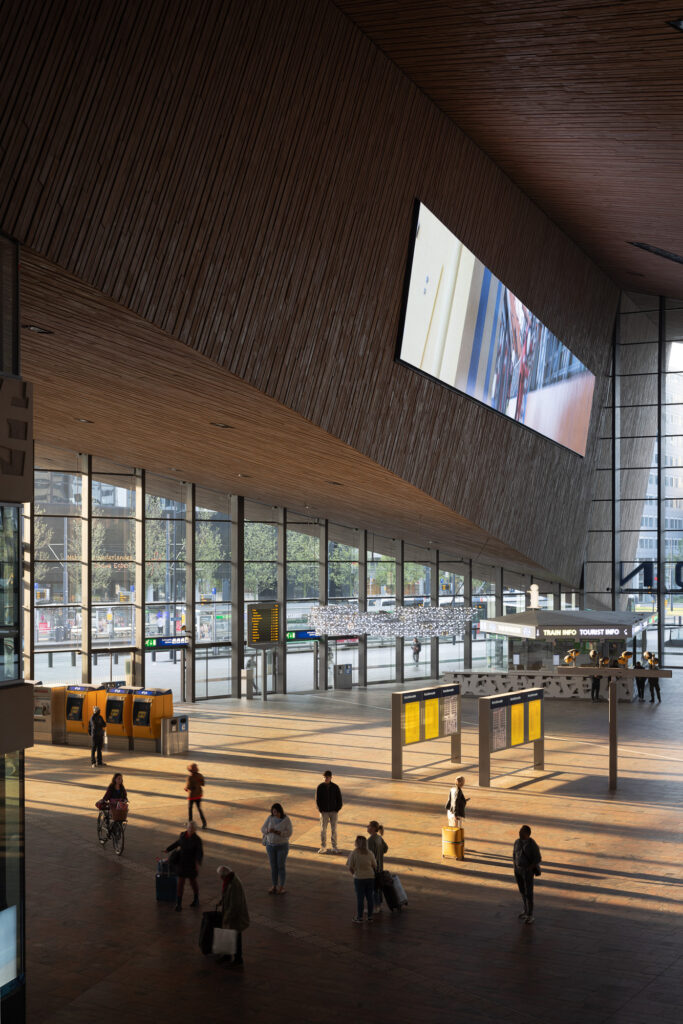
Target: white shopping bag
[(224, 941)]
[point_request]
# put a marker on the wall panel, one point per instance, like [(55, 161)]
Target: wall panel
[(242, 176)]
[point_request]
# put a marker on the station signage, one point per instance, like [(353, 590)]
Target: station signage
[(301, 634), (515, 719), (160, 642), (430, 714), (263, 624)]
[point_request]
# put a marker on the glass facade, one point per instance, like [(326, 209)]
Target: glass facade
[(635, 545), (123, 558)]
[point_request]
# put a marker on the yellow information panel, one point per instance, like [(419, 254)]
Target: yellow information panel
[(516, 724), (432, 719), (412, 722), (534, 720)]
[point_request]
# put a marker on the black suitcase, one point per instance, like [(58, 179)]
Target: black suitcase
[(210, 919), (393, 891), (166, 883)]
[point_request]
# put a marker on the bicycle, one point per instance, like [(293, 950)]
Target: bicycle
[(111, 824)]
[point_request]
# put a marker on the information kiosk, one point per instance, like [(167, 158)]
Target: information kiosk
[(80, 701), (119, 717), (510, 720), (149, 707)]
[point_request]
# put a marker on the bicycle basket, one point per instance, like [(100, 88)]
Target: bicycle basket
[(119, 811)]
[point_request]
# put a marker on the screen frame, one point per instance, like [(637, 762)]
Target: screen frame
[(417, 202)]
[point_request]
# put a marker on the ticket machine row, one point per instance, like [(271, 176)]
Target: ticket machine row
[(133, 717)]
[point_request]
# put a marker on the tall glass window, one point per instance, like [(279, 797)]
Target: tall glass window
[(381, 599), (302, 594), (10, 570), (112, 571)]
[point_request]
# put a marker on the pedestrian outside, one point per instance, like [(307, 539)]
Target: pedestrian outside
[(455, 807), (96, 728), (378, 847), (234, 910), (329, 801), (194, 787), (362, 865), (191, 855), (526, 858), (276, 830)]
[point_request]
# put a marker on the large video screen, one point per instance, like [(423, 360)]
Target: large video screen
[(464, 328)]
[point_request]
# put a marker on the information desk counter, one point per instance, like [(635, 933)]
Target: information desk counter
[(485, 683)]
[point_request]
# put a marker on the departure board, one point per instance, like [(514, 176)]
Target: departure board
[(429, 714), (512, 725), (263, 624)]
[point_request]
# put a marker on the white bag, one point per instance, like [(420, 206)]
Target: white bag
[(224, 941)]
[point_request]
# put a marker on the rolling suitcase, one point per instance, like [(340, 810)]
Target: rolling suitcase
[(393, 892), (166, 883)]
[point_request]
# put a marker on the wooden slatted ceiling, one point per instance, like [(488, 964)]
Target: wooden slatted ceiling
[(579, 101), (242, 177), (152, 401)]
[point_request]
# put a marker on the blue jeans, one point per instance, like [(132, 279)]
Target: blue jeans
[(277, 855), (364, 890)]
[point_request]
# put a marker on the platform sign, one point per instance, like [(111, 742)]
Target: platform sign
[(509, 720), (161, 642), (263, 624), (428, 714)]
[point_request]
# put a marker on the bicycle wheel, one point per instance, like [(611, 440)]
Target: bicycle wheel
[(102, 830), (117, 837)]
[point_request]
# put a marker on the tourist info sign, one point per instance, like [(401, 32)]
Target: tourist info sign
[(427, 714), (510, 720)]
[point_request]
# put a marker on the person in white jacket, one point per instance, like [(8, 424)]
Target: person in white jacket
[(276, 831)]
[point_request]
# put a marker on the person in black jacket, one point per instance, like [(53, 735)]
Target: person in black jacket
[(96, 727), (329, 802), (640, 683), (455, 807), (191, 855), (526, 858)]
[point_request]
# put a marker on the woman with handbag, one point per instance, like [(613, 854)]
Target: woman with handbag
[(276, 830), (234, 910)]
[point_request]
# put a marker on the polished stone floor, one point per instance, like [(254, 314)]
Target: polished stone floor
[(606, 946)]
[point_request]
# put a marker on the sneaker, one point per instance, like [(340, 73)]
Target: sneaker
[(523, 914), (93, 765), (377, 910), (530, 919), (323, 849), (369, 919), (334, 850), (195, 902), (178, 906), (357, 920)]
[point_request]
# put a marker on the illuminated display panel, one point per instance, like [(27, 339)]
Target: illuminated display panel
[(534, 720), (465, 328), (411, 722), (263, 624), (432, 719), (516, 724)]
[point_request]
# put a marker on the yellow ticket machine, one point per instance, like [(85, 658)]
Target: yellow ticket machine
[(118, 715), (149, 707), (80, 701)]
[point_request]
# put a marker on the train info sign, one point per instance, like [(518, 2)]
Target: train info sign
[(510, 720), (263, 624), (427, 714), (160, 642)]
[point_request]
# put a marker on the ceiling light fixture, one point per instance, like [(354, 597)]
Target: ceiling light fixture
[(81, 419), (221, 426), (243, 476), (677, 23), (411, 621), (35, 329), (333, 483), (656, 251)]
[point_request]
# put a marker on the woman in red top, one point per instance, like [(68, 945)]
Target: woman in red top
[(194, 790)]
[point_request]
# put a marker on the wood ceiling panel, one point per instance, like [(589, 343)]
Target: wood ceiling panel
[(152, 402), (579, 101)]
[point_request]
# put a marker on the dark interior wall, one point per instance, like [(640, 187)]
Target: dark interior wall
[(243, 176)]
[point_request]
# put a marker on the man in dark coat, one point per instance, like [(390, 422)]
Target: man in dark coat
[(96, 727), (235, 914), (191, 855), (526, 857), (329, 802)]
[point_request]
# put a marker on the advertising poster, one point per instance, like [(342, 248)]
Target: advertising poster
[(516, 724)]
